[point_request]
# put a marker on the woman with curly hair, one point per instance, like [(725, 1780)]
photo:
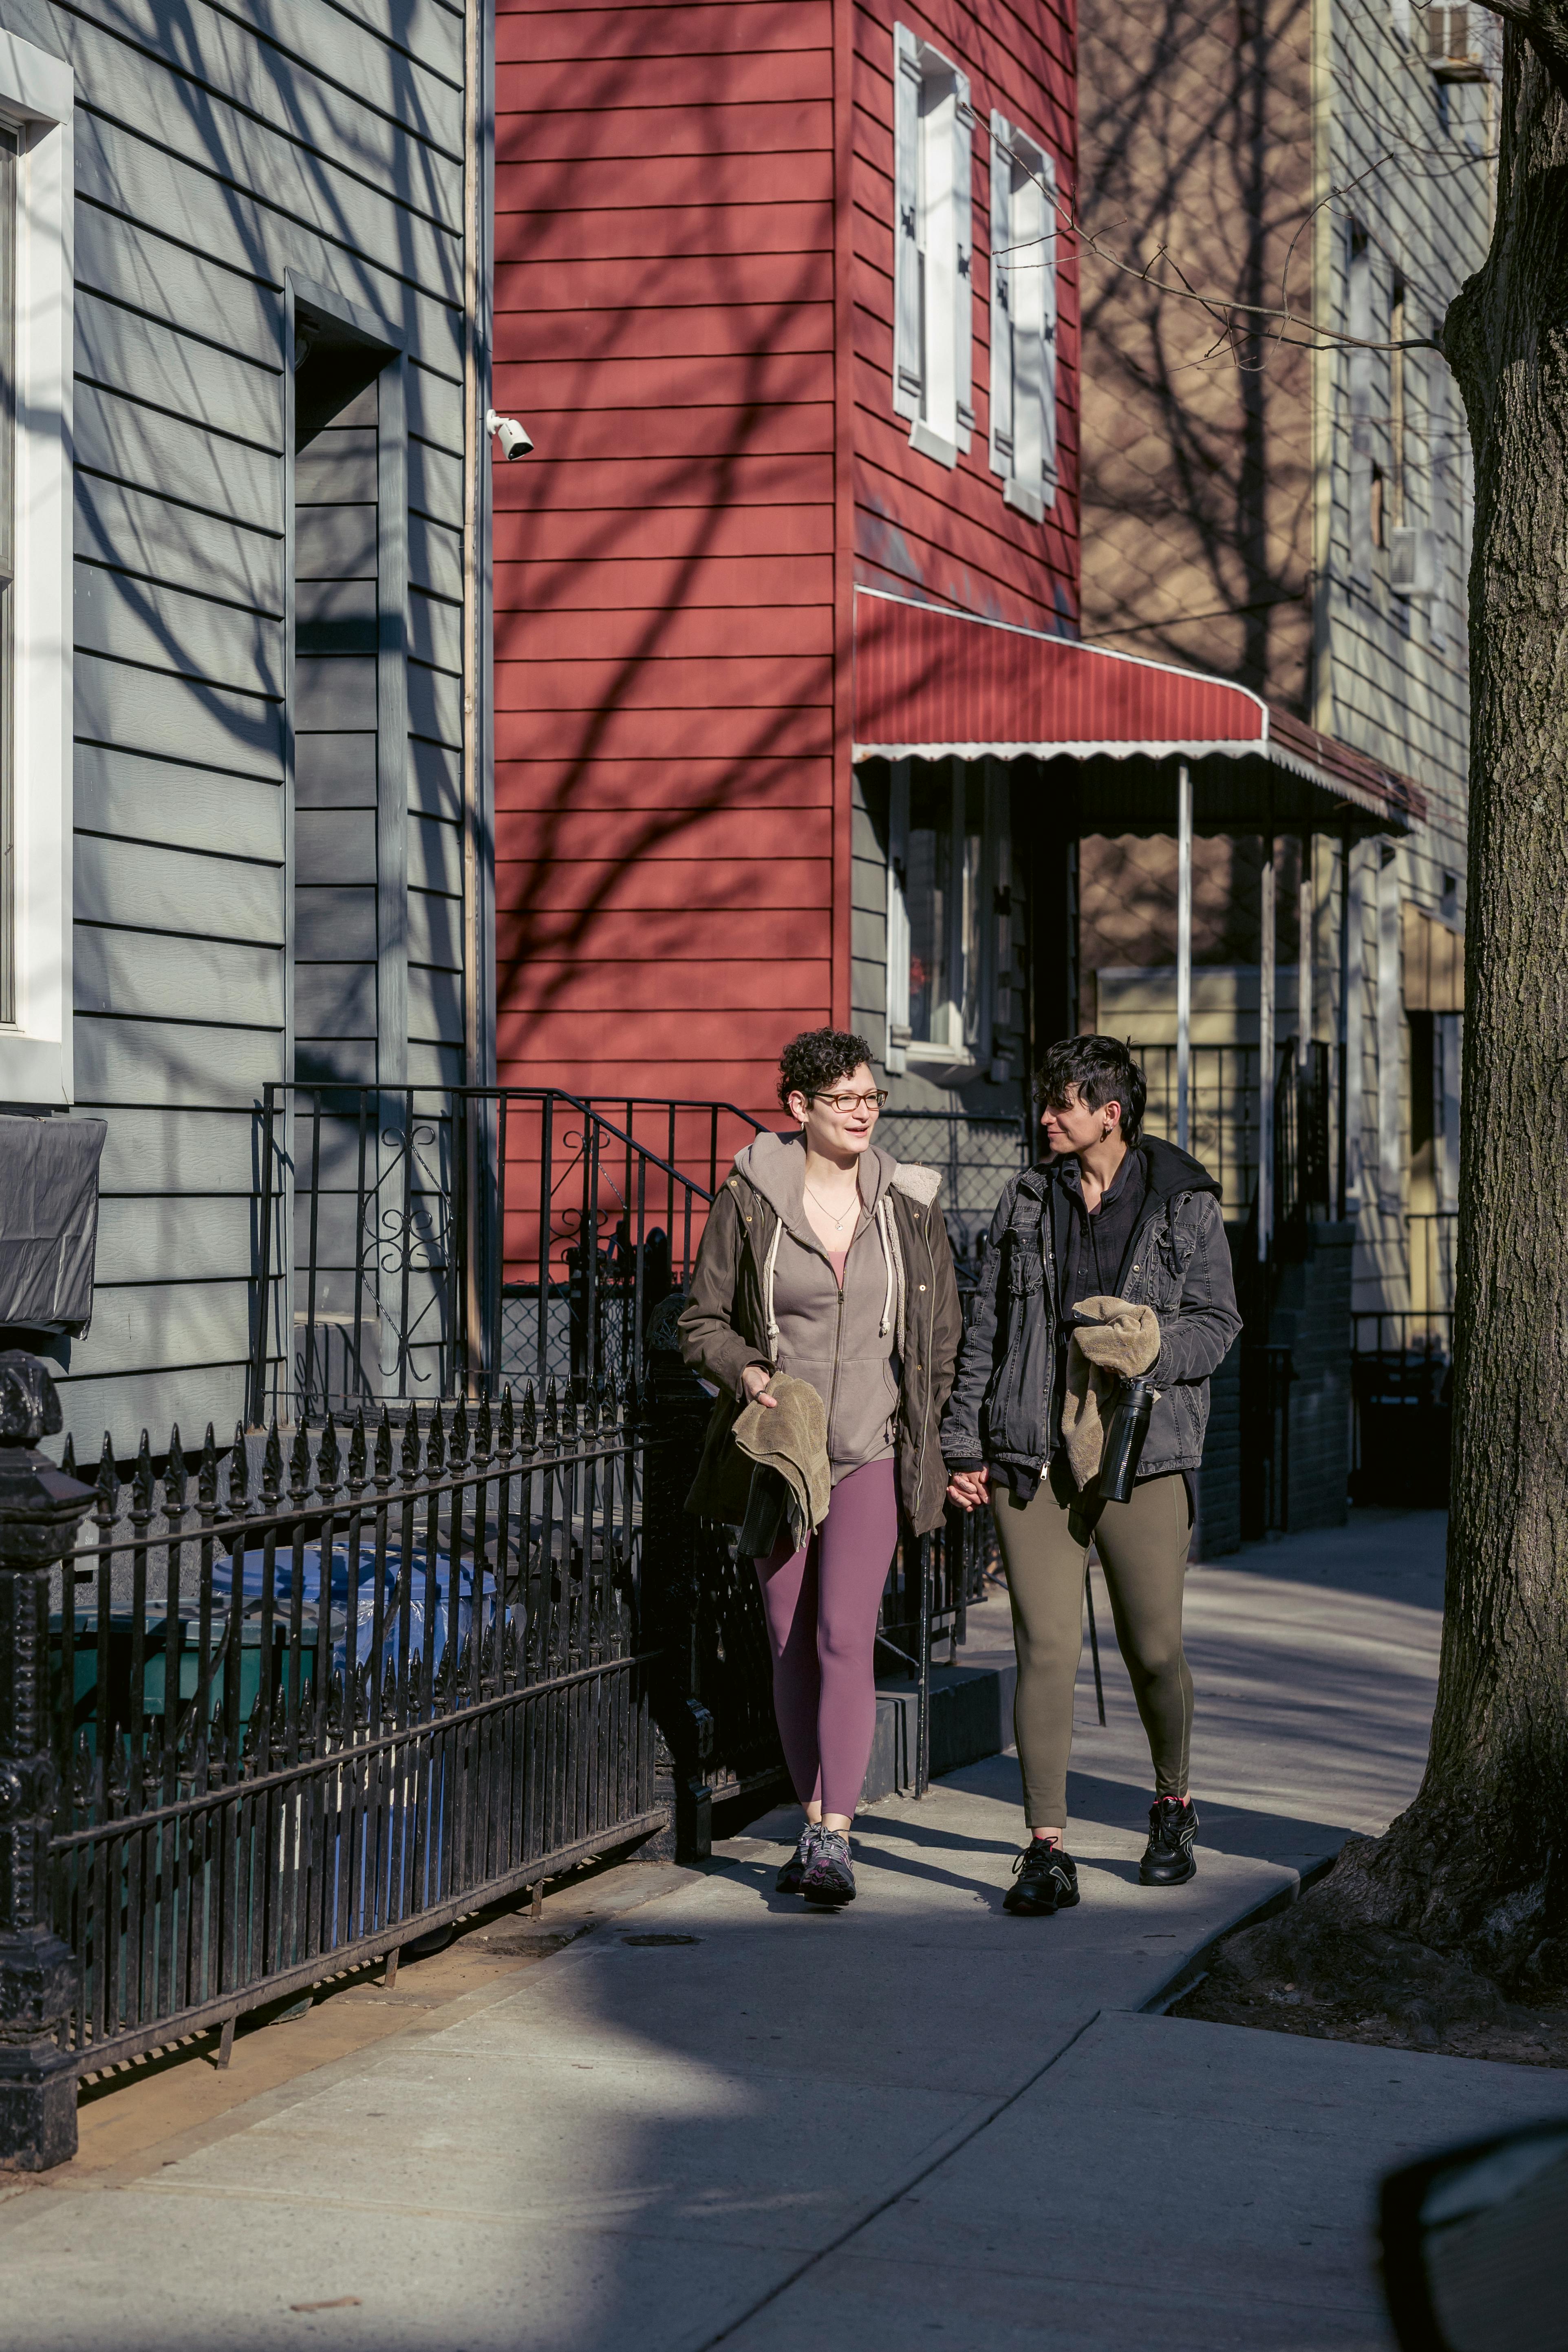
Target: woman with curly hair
[(825, 1259)]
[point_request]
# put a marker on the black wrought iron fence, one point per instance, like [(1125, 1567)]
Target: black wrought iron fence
[(419, 1241), (308, 1701)]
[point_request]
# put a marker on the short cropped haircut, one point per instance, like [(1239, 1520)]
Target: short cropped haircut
[(1102, 1070), (817, 1059)]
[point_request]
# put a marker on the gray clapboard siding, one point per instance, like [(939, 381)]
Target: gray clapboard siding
[(435, 1005), (435, 856), (117, 435), (126, 173), (334, 771), (435, 703), (155, 976), (156, 627), (156, 888), (139, 532), (435, 929), (184, 1238), (436, 631), (332, 1001), (340, 616), (131, 263), (168, 1323), (435, 483), (435, 557), (334, 696), (335, 845), (433, 1064), (337, 469), (177, 719), (435, 407), (334, 542), (125, 1403), (175, 1063), (157, 1150), (133, 799), (126, 55), (425, 30), (435, 780), (178, 373), (333, 923)]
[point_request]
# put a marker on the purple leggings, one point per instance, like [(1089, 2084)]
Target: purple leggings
[(821, 1604)]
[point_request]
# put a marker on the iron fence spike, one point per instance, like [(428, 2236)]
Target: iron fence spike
[(239, 1472), (384, 1450), (272, 1465)]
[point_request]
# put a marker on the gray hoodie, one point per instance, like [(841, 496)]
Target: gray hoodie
[(843, 1342)]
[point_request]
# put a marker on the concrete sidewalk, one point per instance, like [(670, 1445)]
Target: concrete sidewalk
[(719, 2118)]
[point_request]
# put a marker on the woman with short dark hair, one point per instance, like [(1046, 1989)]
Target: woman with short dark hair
[(1111, 1253), (826, 1260)]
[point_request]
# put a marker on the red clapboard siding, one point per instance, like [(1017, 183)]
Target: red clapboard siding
[(693, 313), (665, 984), (533, 36), (734, 231), (706, 934), (663, 632), (546, 592), (721, 835), (646, 784)]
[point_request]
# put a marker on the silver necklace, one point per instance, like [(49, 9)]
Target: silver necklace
[(838, 1222)]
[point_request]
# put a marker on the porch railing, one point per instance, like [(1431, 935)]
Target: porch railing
[(418, 1242)]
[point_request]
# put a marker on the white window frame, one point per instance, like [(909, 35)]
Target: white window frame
[(932, 176), (953, 1050), (37, 99), (1023, 320)]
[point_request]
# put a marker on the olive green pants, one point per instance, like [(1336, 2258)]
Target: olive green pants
[(1142, 1545)]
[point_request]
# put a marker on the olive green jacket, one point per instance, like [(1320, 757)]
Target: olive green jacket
[(724, 1325)]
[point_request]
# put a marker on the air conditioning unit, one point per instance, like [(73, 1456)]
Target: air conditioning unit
[(1413, 562), (1455, 44)]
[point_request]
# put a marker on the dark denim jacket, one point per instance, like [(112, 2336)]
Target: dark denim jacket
[(1001, 1409)]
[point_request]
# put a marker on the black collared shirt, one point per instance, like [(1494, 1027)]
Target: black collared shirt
[(1091, 1250)]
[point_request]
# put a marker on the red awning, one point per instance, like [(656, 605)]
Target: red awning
[(932, 683)]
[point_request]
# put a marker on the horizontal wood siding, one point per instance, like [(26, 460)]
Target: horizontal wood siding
[(919, 530), (665, 672), (218, 147)]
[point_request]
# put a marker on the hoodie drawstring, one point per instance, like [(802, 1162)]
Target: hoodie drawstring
[(769, 1319), (888, 1302)]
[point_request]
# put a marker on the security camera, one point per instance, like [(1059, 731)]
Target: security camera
[(514, 438)]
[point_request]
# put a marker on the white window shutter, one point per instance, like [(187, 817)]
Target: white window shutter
[(1000, 297), (908, 368), (1047, 332), (963, 237)]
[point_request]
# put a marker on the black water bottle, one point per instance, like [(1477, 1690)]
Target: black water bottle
[(1123, 1447)]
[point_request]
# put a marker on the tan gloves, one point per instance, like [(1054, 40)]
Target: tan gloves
[(1114, 1341)]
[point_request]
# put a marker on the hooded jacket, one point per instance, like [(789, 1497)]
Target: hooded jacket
[(1003, 1408), (880, 1353)]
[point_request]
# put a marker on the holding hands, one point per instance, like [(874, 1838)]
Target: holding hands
[(970, 1489)]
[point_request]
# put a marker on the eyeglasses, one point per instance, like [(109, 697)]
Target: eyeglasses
[(847, 1103)]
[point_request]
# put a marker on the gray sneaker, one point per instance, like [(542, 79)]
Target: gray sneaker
[(830, 1877), (789, 1878)]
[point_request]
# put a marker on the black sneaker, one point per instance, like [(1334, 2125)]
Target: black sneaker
[(1047, 1881), (794, 1870), (1168, 1859), (830, 1877)]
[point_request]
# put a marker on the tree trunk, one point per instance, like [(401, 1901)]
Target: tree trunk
[(1477, 1862)]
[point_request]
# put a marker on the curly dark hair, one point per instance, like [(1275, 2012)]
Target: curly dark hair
[(816, 1059), (1102, 1070)]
